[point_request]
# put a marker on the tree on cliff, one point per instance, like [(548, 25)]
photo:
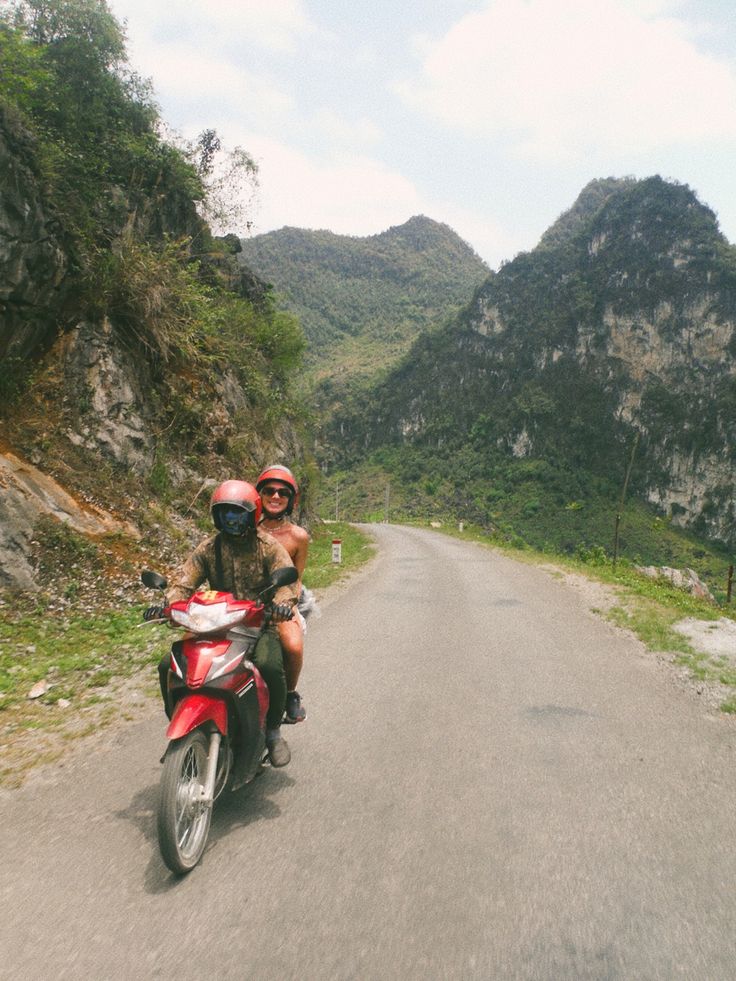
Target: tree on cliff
[(87, 25), (65, 68), (127, 205)]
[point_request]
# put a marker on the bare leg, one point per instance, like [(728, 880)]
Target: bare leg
[(291, 636)]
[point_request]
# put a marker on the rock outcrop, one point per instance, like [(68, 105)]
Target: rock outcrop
[(26, 495), (33, 262)]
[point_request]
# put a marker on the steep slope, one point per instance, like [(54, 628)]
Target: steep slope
[(362, 301), (616, 334), (139, 361)]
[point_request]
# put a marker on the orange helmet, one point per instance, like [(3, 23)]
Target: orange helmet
[(235, 507), (281, 475)]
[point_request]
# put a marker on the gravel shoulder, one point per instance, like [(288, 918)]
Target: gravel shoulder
[(713, 640)]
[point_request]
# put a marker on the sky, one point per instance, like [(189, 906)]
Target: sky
[(488, 115)]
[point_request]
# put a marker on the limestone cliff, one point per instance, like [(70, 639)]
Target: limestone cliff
[(622, 321)]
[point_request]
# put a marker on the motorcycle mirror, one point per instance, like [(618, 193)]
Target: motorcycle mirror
[(284, 577), (153, 580)]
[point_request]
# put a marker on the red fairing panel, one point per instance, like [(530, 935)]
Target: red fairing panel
[(200, 654), (193, 711)]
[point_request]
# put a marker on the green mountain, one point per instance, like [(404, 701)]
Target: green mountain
[(613, 340), (362, 301)]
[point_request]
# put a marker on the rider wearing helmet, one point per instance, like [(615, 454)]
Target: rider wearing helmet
[(279, 495), (240, 559)]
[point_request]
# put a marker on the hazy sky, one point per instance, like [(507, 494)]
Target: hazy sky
[(488, 115)]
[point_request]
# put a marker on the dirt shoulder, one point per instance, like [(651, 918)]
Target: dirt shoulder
[(707, 653)]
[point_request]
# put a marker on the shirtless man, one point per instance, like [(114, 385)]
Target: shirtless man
[(279, 493)]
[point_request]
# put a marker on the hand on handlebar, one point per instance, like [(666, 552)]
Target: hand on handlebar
[(282, 612), (154, 613)]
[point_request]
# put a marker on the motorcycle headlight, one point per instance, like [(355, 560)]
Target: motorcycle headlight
[(201, 619)]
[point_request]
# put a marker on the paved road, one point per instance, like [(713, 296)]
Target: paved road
[(492, 784)]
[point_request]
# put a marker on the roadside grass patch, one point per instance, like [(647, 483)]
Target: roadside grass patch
[(73, 653), (652, 624), (357, 549)]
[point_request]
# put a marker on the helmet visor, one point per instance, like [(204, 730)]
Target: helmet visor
[(235, 520)]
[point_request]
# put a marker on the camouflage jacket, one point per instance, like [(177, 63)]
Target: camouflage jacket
[(245, 568)]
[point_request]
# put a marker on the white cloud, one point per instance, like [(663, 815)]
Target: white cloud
[(559, 79), (350, 194), (275, 24), (206, 82)]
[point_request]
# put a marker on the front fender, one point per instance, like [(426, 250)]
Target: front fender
[(196, 710)]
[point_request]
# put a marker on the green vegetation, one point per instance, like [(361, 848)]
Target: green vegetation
[(362, 301), (208, 355), (77, 654), (341, 285), (651, 609), (84, 661), (522, 414), (126, 206), (92, 122), (519, 502), (357, 549)]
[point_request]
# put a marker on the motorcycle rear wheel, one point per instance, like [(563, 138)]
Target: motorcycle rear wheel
[(183, 820)]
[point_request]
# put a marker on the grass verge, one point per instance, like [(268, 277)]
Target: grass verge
[(357, 549)]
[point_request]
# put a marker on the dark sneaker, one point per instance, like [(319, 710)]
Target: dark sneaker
[(279, 753), (295, 711)]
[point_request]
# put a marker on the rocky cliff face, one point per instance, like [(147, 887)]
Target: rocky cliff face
[(90, 413), (33, 262), (622, 321)]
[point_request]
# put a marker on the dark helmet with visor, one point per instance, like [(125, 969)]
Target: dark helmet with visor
[(235, 507)]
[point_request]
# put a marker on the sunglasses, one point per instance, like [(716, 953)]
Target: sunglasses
[(276, 492)]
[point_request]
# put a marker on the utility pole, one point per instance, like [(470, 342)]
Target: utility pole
[(337, 501), (623, 499), (388, 498)]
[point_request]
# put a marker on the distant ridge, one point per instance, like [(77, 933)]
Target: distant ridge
[(363, 300)]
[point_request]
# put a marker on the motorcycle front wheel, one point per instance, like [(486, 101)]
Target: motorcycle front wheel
[(183, 819)]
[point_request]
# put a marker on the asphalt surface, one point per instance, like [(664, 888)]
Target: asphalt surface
[(492, 783)]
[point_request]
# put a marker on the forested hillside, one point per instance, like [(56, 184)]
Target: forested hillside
[(138, 359), (362, 301), (612, 343)]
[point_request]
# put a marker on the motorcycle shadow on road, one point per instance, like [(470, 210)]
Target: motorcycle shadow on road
[(233, 812)]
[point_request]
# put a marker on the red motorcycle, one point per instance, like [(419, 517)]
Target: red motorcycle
[(217, 702)]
